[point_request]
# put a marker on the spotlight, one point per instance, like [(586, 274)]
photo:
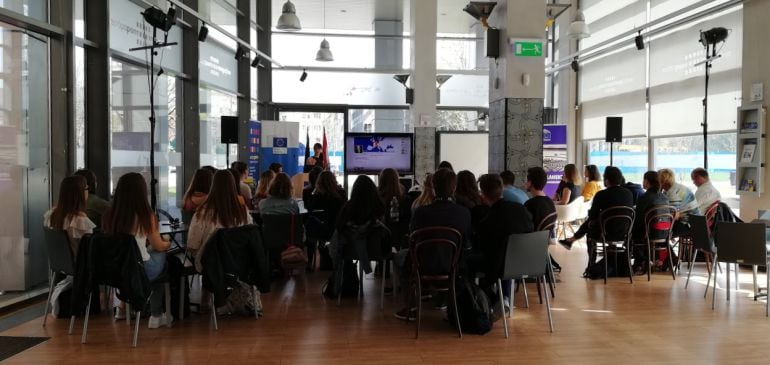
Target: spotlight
[(639, 40), (713, 36), (170, 18), (155, 17), (240, 52), (255, 62), (401, 79), (303, 76), (480, 10), (203, 33), (575, 65)]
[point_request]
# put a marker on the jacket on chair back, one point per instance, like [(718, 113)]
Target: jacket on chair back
[(234, 254), (112, 260)]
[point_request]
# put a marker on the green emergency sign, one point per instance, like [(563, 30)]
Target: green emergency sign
[(528, 49)]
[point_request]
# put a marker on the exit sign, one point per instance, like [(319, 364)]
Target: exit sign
[(527, 48)]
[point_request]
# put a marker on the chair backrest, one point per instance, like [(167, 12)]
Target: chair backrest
[(570, 212), (586, 207), (298, 182), (547, 223), (375, 239), (700, 234), (659, 222), (616, 223), (281, 230), (526, 255), (711, 215), (435, 251), (743, 243), (60, 257)]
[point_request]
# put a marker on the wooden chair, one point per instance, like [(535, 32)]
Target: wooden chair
[(621, 218), (658, 225)]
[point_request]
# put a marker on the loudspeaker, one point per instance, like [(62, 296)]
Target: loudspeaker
[(614, 129), (493, 43), (229, 129)]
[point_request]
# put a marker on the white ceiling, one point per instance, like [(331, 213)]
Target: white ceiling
[(358, 15)]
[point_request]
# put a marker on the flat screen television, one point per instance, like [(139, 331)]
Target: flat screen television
[(370, 153)]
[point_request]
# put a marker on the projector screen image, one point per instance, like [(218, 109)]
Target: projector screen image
[(370, 153)]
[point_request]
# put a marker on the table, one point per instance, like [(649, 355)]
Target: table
[(172, 231)]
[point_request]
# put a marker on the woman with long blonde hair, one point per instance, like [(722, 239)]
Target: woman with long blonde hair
[(569, 186)]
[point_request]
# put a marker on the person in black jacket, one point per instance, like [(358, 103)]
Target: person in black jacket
[(652, 197), (635, 189), (323, 206), (312, 178), (614, 195), (503, 219)]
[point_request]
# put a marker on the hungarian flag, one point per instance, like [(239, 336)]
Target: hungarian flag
[(325, 152), (307, 145)]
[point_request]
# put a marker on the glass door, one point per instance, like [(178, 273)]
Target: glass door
[(24, 157)]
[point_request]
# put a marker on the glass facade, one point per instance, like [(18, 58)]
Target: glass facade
[(213, 105)]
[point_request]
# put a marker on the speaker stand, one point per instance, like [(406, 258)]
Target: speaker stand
[(611, 148), (227, 155)]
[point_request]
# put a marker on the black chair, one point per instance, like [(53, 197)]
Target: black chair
[(548, 223), (740, 243), (526, 256), (435, 253), (703, 242), (60, 261), (658, 226), (279, 231), (377, 248), (616, 239)]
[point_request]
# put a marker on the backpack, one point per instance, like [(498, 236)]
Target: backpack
[(349, 283), (617, 268), (473, 308)]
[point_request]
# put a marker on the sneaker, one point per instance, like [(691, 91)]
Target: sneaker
[(566, 244), (161, 320), (120, 313), (406, 314)]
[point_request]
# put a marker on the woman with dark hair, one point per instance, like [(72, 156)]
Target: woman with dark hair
[(364, 205), (568, 189), (427, 195), (326, 196), (95, 206), (198, 190), (593, 179), (131, 214), (69, 214), (393, 195), (467, 193), (279, 200), (445, 165), (653, 196), (263, 186)]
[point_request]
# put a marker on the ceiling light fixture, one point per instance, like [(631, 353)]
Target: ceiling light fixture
[(324, 54), (440, 80), (288, 20), (578, 29), (402, 78), (575, 65), (203, 33), (480, 10), (303, 76), (240, 52)]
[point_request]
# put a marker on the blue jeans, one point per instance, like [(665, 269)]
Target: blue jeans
[(153, 268)]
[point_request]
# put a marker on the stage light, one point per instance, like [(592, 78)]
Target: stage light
[(639, 40), (203, 33), (303, 76), (713, 36)]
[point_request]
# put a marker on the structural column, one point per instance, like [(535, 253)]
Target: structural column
[(62, 100), (423, 25), (190, 96), (516, 90), (244, 81), (97, 94)]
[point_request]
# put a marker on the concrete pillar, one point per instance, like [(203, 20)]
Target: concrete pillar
[(756, 57), (516, 106), (423, 27), (388, 55)]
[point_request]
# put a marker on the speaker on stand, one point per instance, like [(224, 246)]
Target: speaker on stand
[(229, 134), (614, 133)]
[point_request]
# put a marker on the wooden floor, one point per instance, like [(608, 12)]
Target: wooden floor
[(647, 322)]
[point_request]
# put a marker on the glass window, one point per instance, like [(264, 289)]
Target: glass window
[(300, 50), (466, 91), (608, 18), (630, 156), (328, 87), (683, 154), (457, 54), (24, 157), (460, 120), (80, 108), (379, 120), (312, 124), (37, 9), (222, 14), (213, 105), (79, 25), (130, 125)]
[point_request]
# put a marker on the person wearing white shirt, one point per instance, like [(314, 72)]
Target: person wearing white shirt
[(706, 194)]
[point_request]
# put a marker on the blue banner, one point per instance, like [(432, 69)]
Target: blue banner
[(554, 155), (253, 145)]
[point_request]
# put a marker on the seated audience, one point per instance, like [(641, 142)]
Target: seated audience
[(593, 178), (540, 205), (503, 219), (131, 214), (276, 168), (569, 186), (243, 188), (279, 200), (651, 198), (237, 176), (222, 209), (326, 198), (443, 212), (213, 170), (636, 190), (69, 214), (446, 165), (681, 198), (511, 193), (614, 195), (706, 194), (312, 178), (197, 191), (467, 193), (427, 195), (95, 206), (263, 186), (364, 205), (397, 209)]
